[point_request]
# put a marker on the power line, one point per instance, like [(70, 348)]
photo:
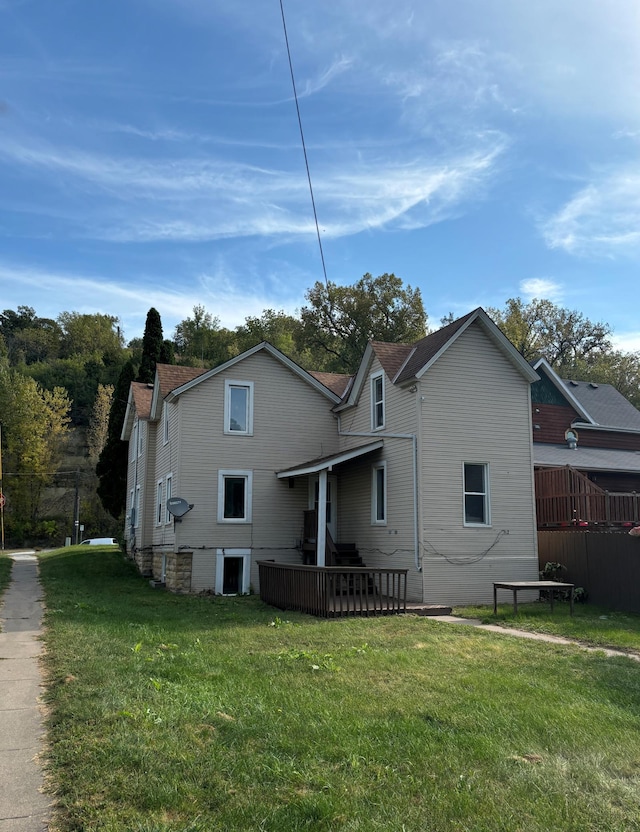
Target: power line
[(304, 147)]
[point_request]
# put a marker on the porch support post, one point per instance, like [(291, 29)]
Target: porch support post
[(322, 518)]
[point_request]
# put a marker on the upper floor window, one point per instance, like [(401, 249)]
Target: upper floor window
[(133, 442), (169, 493), (159, 507), (140, 438), (476, 494), (377, 401), (165, 423), (238, 407)]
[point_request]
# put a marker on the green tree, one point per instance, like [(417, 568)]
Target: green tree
[(90, 335), (112, 462), (339, 321), (29, 339), (35, 424), (563, 336), (281, 330), (152, 341), (200, 341), (98, 428)]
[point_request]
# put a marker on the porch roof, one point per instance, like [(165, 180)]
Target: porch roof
[(313, 466), (586, 459)]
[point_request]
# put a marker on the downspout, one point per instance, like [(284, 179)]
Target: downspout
[(414, 443)]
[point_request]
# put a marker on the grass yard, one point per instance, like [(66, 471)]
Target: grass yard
[(596, 626), (201, 714)]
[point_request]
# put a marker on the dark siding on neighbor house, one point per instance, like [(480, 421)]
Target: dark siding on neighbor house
[(606, 564)]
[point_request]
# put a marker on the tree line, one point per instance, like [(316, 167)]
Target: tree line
[(71, 376)]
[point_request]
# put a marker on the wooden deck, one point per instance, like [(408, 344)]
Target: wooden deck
[(566, 497), (333, 591)]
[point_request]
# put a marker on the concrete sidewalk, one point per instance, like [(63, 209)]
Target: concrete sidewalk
[(511, 631), (23, 806)]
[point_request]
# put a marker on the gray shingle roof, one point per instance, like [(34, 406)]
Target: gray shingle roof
[(586, 459), (605, 404)]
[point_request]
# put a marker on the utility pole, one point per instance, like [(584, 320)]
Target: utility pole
[(76, 511)]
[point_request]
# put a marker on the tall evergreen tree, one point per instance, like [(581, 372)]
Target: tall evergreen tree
[(112, 463), (152, 347)]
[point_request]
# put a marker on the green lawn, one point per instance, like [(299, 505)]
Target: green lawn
[(200, 714), (596, 626)]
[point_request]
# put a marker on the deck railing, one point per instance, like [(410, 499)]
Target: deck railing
[(333, 590), (566, 497)]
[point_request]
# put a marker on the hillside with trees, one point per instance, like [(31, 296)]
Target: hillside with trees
[(64, 383)]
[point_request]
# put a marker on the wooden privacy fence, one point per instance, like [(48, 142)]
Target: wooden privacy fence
[(334, 590), (606, 564), (566, 497)]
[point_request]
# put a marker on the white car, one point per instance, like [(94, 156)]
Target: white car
[(100, 541)]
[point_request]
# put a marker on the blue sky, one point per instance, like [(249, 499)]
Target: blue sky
[(150, 154)]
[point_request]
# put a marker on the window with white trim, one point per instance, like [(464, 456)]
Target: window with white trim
[(133, 442), (377, 401), (137, 508), (159, 511), (379, 494), (234, 496), (238, 407), (131, 508), (169, 486), (140, 438), (476, 494), (165, 423)]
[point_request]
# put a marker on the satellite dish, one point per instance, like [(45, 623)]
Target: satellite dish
[(178, 507)]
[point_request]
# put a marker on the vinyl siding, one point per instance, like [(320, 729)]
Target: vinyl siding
[(292, 423), (475, 408), (166, 463), (393, 545)]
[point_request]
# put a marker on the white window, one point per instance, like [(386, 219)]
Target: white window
[(159, 507), (165, 423), (377, 401), (234, 496), (133, 442), (476, 494), (167, 517), (238, 407), (140, 438), (132, 518), (136, 508), (379, 494)]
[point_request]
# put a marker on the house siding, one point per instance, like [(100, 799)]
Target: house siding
[(291, 423), (392, 545), (475, 408)]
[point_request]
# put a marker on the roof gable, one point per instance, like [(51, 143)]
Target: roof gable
[(405, 364), (168, 377), (265, 346)]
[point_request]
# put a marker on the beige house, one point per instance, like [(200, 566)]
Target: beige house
[(421, 462)]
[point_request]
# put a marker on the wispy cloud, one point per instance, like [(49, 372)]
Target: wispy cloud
[(602, 219), (541, 288), (209, 198)]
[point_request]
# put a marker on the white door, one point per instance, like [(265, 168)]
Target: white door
[(332, 503)]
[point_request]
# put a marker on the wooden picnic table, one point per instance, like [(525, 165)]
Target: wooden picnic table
[(515, 586)]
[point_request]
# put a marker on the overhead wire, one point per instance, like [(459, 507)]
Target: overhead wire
[(304, 147)]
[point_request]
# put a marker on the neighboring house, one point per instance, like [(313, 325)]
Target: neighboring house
[(586, 451), (421, 462)]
